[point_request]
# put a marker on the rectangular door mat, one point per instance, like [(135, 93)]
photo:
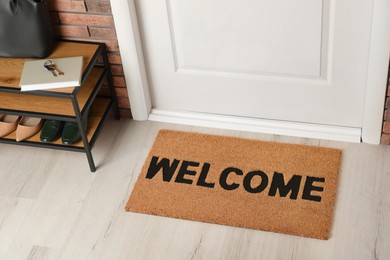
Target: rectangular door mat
[(238, 182)]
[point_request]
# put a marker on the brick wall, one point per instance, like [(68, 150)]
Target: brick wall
[(91, 20), (386, 118)]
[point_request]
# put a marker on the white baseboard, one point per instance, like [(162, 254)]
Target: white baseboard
[(337, 133)]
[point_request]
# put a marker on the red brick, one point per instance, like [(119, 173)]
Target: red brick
[(388, 90), (385, 139), (66, 5), (386, 127), (121, 92), (72, 30), (387, 105), (100, 32), (387, 115), (98, 7), (114, 58), (116, 70), (86, 19), (119, 81), (123, 102), (111, 45)]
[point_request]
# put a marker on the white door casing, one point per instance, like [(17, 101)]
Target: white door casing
[(318, 68)]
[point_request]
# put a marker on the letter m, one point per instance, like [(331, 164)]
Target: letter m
[(284, 189), (163, 165)]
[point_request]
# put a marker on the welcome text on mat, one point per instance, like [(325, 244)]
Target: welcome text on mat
[(277, 183)]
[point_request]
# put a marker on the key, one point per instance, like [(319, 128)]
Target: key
[(50, 66), (56, 70), (51, 70), (47, 66)]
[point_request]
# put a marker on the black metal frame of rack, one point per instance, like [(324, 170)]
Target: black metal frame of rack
[(79, 114)]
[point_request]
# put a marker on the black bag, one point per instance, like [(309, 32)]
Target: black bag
[(25, 29)]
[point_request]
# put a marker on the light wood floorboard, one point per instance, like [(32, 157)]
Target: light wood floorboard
[(52, 207)]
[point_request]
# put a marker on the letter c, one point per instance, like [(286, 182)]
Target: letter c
[(224, 175)]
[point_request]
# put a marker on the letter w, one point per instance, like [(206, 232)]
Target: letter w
[(167, 170)]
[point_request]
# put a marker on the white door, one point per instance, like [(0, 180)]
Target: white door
[(301, 61)]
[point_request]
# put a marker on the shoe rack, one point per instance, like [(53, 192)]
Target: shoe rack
[(66, 104)]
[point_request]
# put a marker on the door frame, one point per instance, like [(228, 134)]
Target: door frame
[(130, 44)]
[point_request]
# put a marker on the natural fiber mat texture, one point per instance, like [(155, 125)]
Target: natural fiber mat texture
[(231, 181)]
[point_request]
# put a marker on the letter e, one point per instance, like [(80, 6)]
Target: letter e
[(309, 187)]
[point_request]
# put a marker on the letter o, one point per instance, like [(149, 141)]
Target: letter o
[(248, 179)]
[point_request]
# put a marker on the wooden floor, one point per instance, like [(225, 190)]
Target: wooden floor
[(52, 207)]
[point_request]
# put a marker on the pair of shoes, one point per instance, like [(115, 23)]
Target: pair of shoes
[(53, 129), (25, 126)]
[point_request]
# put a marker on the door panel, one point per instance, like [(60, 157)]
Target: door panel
[(205, 41), (303, 60)]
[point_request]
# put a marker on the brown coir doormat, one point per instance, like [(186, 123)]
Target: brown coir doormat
[(239, 182)]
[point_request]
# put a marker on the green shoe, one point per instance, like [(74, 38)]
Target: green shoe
[(71, 133), (51, 130)]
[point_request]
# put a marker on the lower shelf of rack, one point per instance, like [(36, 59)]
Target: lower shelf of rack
[(99, 111)]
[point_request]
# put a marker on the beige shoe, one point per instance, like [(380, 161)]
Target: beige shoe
[(27, 127), (8, 124)]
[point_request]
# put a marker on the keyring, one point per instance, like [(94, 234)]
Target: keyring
[(48, 63)]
